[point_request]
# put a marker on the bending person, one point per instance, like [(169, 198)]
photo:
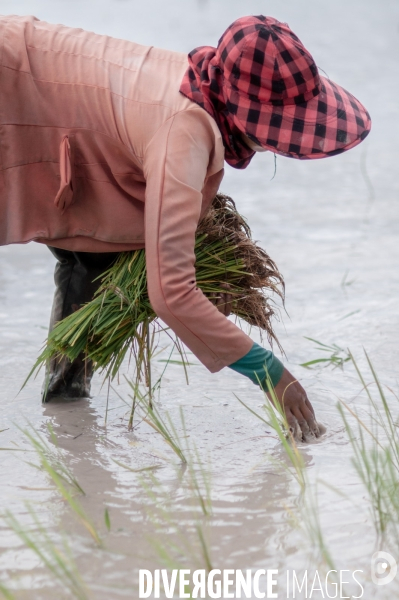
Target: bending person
[(109, 146)]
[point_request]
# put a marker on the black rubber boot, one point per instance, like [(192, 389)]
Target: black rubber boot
[(74, 277)]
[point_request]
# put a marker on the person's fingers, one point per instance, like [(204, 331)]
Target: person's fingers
[(226, 299), (310, 420), (221, 301), (227, 304), (299, 411), (307, 422), (217, 300), (310, 417), (297, 432), (305, 429), (227, 308), (293, 425)]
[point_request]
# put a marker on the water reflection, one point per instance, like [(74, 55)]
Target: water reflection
[(312, 220)]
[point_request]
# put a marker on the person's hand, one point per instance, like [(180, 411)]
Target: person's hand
[(298, 410), (223, 300)]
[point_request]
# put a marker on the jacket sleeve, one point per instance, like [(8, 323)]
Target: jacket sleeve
[(176, 164)]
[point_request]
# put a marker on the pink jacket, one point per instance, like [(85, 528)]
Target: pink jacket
[(100, 152)]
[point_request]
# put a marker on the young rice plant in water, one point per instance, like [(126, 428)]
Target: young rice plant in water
[(375, 443)]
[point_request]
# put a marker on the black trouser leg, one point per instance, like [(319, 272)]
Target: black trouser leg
[(74, 277)]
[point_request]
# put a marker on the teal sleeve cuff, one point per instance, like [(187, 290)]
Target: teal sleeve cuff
[(257, 363)]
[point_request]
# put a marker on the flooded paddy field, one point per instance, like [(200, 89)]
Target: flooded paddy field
[(125, 501)]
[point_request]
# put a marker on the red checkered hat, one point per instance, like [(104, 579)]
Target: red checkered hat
[(269, 88)]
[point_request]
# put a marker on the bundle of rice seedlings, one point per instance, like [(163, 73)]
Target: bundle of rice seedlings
[(238, 261), (117, 320)]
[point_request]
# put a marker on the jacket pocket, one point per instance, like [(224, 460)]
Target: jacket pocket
[(65, 195)]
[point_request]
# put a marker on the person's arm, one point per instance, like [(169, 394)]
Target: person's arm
[(176, 164), (255, 365)]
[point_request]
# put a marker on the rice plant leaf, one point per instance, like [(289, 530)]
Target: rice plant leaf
[(142, 470), (253, 411), (5, 593), (59, 563), (315, 361), (177, 362), (317, 342), (107, 519)]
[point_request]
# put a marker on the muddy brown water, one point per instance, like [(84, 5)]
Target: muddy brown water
[(332, 227)]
